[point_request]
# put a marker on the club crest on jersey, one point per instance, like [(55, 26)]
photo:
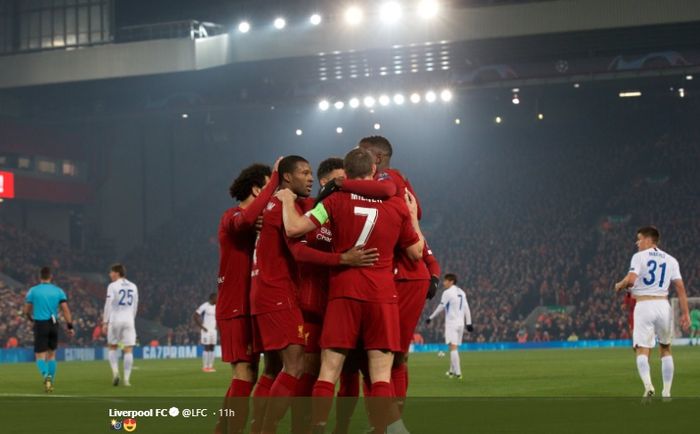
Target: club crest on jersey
[(381, 176)]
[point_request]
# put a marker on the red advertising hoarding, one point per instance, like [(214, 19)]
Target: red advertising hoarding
[(7, 185)]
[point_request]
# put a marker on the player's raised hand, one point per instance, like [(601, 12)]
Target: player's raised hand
[(285, 195), (277, 164), (411, 203), (328, 189), (359, 257)]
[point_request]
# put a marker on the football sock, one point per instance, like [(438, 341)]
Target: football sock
[(260, 395), (284, 387), (643, 369), (43, 369), (51, 368), (128, 363), (347, 400), (322, 402), (301, 405), (398, 380), (454, 359), (667, 374), (114, 362)]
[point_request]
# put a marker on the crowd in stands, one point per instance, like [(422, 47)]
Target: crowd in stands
[(547, 221)]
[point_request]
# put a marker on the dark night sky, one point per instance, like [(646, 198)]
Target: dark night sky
[(131, 12)]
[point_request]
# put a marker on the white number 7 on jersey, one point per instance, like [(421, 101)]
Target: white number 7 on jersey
[(371, 219)]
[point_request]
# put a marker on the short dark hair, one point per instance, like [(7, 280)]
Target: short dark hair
[(119, 269), (451, 277), (650, 232), (329, 165), (212, 295), (45, 273), (378, 142), (251, 176), (289, 164), (358, 163)]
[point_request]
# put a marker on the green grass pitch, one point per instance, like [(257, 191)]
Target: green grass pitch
[(534, 373), (532, 391)]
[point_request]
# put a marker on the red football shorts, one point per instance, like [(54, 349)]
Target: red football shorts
[(277, 330), (412, 295), (236, 340), (349, 322), (312, 334)]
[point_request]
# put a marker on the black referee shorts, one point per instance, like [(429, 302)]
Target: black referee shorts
[(45, 336)]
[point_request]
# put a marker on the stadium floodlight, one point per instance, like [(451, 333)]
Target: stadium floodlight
[(354, 15), (384, 100), (185, 116), (354, 103), (399, 99), (299, 132), (339, 105), (279, 23), (368, 101), (415, 98), (576, 85), (540, 116), (516, 99), (339, 130), (377, 126), (315, 19), (458, 121), (428, 9), (324, 105), (681, 92), (630, 94), (244, 27), (390, 12), (446, 95), (430, 96), (688, 77), (498, 119)]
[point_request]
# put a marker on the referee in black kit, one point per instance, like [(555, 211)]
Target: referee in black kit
[(41, 307)]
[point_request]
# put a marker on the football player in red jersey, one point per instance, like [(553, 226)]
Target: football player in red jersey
[(415, 280), (253, 188), (362, 303), (278, 324)]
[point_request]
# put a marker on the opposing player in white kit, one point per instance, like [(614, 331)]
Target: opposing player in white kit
[(205, 318), (651, 272), (457, 315), (119, 321)]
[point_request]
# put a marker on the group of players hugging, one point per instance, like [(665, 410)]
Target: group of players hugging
[(324, 289)]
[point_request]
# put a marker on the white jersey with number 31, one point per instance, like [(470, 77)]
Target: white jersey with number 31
[(655, 269)]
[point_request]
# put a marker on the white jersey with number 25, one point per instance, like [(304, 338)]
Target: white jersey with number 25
[(122, 302)]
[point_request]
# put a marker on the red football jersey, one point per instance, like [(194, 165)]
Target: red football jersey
[(274, 275), (373, 223), (404, 268), (313, 278), (236, 243)]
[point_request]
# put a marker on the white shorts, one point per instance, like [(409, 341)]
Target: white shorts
[(121, 333), (453, 334), (652, 319), (208, 337)]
